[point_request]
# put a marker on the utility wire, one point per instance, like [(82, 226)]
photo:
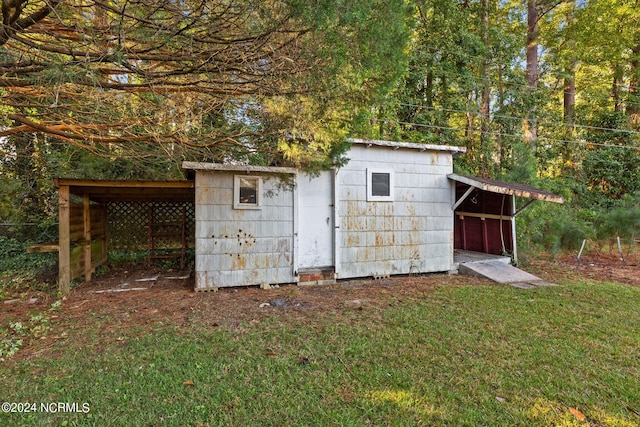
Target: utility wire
[(498, 133), (515, 118), (546, 87)]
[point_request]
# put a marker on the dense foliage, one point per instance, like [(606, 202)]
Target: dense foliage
[(543, 91)]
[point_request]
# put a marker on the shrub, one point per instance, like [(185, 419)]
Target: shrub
[(623, 220)]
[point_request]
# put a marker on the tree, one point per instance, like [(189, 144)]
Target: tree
[(162, 81), (607, 35), (611, 166), (530, 126)]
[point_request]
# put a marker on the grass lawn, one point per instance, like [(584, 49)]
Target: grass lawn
[(448, 355)]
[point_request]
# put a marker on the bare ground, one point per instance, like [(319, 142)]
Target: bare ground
[(170, 298)]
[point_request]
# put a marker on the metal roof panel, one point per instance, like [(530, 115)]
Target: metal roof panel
[(503, 187)]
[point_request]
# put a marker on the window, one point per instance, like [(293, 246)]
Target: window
[(246, 192), (379, 185)]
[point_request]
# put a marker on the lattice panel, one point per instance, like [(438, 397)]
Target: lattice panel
[(128, 223)]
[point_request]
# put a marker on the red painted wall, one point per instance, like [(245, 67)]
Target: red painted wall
[(476, 234)]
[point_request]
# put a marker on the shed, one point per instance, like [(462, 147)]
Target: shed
[(485, 213), (388, 211), (106, 211)]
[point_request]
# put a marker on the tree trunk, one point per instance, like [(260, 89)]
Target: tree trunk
[(569, 101), (530, 125), (569, 89), (25, 169), (499, 138), (428, 89), (486, 91), (615, 88), (633, 101)]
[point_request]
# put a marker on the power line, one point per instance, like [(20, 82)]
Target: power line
[(497, 133), (545, 123), (478, 82)]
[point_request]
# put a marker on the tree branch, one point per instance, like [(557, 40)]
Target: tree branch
[(11, 21)]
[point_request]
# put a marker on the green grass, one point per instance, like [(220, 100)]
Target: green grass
[(459, 356)]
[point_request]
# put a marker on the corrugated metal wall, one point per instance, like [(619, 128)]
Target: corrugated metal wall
[(240, 247)]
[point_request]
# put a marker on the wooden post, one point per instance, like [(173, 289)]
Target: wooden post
[(464, 232), (105, 231), (64, 251), (485, 236), (86, 217), (514, 242)]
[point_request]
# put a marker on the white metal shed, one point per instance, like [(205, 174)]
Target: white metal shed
[(388, 211)]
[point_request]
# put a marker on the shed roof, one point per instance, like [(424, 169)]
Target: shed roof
[(411, 145), (129, 190), (502, 187), (223, 167), (237, 168)]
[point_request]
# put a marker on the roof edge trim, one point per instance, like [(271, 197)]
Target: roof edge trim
[(410, 145), (502, 187), (202, 166)]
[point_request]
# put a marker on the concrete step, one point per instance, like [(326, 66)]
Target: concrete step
[(503, 273)]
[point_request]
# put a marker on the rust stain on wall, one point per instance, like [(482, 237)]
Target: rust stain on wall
[(353, 240), (239, 262)]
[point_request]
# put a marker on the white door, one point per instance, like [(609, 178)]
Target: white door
[(315, 220)]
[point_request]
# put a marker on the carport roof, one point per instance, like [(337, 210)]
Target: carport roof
[(102, 191), (502, 187)]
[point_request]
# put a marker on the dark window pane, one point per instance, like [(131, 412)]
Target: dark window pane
[(380, 184), (248, 191)]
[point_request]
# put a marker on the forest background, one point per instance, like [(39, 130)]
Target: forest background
[(540, 91)]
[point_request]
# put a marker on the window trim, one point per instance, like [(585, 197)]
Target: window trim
[(236, 192), (370, 196)]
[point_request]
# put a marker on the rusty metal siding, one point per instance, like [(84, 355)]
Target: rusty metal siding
[(240, 247), (412, 233)]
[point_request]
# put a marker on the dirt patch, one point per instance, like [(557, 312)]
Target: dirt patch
[(602, 266), (119, 303), (136, 299)]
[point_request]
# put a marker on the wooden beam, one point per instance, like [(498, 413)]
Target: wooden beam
[(519, 211), (482, 215), (86, 220), (43, 247), (64, 251), (58, 182), (463, 198)]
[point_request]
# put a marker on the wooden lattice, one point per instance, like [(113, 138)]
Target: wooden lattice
[(128, 223)]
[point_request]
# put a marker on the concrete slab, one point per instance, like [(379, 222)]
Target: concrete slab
[(461, 256), (499, 272)]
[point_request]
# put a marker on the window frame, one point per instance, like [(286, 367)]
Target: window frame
[(370, 196), (237, 204)]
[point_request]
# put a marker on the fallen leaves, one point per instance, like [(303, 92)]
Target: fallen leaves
[(577, 414), (633, 410)]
